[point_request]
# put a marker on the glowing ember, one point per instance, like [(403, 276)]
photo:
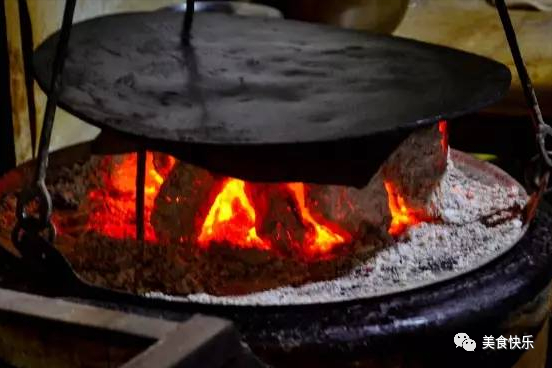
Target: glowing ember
[(402, 217), (231, 218), (115, 212), (443, 126), (321, 239)]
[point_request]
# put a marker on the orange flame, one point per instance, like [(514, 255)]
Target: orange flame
[(402, 217), (115, 215), (231, 218), (324, 239)]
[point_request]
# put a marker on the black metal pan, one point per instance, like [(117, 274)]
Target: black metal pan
[(265, 99)]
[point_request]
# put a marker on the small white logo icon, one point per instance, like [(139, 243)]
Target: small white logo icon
[(469, 345), (462, 340), (459, 339)]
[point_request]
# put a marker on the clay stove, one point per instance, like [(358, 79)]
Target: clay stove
[(427, 214)]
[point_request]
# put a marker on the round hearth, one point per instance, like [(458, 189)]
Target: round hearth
[(94, 215)]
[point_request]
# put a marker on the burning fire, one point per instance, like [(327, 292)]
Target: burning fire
[(321, 239), (231, 218), (115, 214), (402, 217)]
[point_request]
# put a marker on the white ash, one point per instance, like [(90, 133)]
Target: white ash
[(433, 252), (426, 253), (459, 199)]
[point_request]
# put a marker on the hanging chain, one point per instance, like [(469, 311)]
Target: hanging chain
[(37, 194), (539, 169)]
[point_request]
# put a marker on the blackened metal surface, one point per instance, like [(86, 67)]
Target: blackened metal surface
[(259, 80), (247, 82)]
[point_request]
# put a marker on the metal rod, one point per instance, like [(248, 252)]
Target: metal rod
[(542, 130), (54, 90), (27, 46), (188, 21), (528, 90), (140, 194)]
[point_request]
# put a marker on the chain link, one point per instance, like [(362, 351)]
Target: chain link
[(40, 222)]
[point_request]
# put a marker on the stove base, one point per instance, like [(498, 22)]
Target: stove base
[(416, 329)]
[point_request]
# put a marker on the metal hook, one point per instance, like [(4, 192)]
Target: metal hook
[(38, 190), (30, 226), (42, 196)]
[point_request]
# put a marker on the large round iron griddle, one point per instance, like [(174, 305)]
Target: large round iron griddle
[(258, 81), (254, 82)]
